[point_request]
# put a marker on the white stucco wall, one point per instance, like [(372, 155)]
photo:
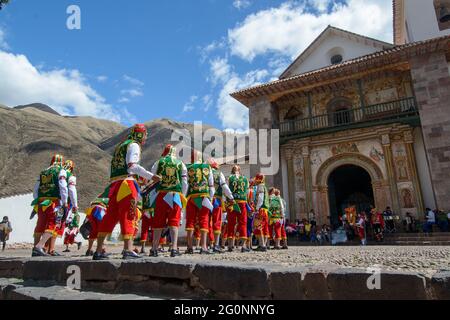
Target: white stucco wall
[(423, 170), (320, 57), (18, 209), (421, 20)]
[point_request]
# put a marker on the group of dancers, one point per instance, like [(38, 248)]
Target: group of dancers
[(220, 213)]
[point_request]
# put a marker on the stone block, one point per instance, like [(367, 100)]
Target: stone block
[(55, 270), (157, 269), (440, 284), (351, 284), (12, 268), (231, 281)]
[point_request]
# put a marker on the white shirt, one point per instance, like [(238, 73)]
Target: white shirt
[(62, 183), (431, 217), (260, 196), (226, 189), (184, 182), (72, 188), (133, 159)]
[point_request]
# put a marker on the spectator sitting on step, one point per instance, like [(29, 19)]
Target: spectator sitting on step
[(442, 221), (301, 231), (409, 222), (307, 230), (313, 235)]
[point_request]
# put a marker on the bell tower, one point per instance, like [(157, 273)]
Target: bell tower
[(417, 20)]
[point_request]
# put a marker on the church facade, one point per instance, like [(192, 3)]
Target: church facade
[(363, 122)]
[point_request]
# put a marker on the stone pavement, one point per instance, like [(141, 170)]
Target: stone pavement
[(422, 259)]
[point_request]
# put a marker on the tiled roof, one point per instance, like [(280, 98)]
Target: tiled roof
[(377, 59)]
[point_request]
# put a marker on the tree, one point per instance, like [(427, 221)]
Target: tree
[(2, 3)]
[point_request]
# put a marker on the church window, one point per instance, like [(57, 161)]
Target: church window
[(337, 58)]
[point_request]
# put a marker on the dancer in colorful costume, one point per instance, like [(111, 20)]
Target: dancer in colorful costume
[(94, 215), (377, 224), (261, 219), (71, 233), (276, 217), (168, 198), (361, 228), (72, 207), (199, 206), (124, 193), (284, 243), (237, 212), (50, 203), (222, 191)]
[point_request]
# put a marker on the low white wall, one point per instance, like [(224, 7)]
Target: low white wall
[(18, 210)]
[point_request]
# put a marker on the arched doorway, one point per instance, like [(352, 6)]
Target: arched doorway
[(349, 185)]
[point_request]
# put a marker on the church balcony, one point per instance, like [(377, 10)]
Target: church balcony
[(403, 111)]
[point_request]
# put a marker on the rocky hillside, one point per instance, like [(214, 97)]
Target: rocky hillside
[(32, 134)]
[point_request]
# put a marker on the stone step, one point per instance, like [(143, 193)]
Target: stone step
[(432, 239), (16, 291), (416, 243), (434, 234)]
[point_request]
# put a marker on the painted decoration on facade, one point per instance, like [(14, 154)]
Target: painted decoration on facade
[(376, 155), (382, 96), (299, 174), (400, 161), (316, 160), (346, 147), (407, 199)]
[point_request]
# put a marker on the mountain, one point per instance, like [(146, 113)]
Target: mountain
[(30, 136), (38, 106), (33, 133)]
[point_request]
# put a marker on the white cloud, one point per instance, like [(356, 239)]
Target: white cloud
[(133, 81), (102, 78), (220, 70), (291, 27), (207, 102), (232, 113), (123, 100), (241, 4), (64, 90), (189, 106), (3, 44), (132, 92)]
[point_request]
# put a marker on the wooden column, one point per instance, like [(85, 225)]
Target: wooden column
[(308, 178), (389, 159), (361, 96), (310, 110), (291, 183), (409, 142)]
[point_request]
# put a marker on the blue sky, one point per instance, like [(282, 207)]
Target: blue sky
[(139, 60)]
